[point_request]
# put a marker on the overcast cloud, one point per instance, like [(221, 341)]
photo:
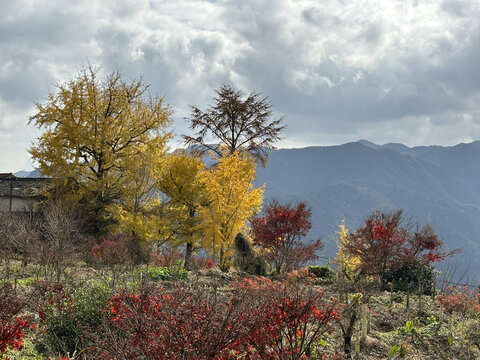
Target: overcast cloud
[(339, 70)]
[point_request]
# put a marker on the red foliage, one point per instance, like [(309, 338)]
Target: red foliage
[(291, 318), (11, 326), (258, 320), (11, 334), (113, 250), (166, 257), (462, 300), (279, 232), (384, 242), (200, 263)]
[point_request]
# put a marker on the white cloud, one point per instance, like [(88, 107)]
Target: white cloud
[(337, 69)]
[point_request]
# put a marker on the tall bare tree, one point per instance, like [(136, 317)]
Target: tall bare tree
[(236, 123)]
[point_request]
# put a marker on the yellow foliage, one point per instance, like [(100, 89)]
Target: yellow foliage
[(182, 182), (94, 128), (138, 210), (232, 200), (348, 263)]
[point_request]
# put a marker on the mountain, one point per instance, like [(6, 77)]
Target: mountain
[(27, 174), (433, 184)]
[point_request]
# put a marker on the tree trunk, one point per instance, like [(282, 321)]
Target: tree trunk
[(347, 346), (188, 256)]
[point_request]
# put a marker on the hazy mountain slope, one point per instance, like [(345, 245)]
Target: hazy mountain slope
[(436, 185)]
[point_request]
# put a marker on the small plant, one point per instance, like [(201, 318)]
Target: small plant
[(409, 328), (401, 350)]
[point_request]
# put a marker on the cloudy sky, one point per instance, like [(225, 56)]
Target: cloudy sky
[(338, 70)]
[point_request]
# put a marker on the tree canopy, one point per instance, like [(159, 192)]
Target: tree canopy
[(236, 124), (232, 200), (94, 126), (385, 242), (280, 233)]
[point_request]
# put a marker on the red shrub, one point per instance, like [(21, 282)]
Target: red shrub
[(11, 326), (462, 300), (200, 263), (166, 257), (113, 250), (11, 334), (291, 319), (257, 320)]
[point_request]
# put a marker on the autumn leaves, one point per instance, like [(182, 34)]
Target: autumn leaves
[(104, 146)]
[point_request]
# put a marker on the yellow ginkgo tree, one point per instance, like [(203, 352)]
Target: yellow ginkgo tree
[(183, 185), (92, 127), (138, 210), (232, 200)]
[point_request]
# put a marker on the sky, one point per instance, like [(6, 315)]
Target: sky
[(338, 70)]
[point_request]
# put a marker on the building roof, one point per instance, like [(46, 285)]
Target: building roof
[(22, 187)]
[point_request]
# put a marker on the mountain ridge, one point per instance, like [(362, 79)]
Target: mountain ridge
[(439, 185)]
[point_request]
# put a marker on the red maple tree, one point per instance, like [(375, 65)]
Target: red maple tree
[(386, 242), (280, 231)]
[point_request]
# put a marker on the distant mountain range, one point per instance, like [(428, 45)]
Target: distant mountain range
[(433, 184), (29, 174)]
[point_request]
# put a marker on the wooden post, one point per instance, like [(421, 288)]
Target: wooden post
[(408, 295), (11, 195)]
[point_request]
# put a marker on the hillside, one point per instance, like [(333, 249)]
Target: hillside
[(433, 184)]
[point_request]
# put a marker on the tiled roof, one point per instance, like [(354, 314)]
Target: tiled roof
[(22, 187)]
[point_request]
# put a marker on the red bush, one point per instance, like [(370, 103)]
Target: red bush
[(258, 319), (11, 327), (200, 263), (113, 250), (461, 300), (166, 257), (11, 334)]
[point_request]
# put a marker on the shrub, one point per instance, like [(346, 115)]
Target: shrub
[(11, 327), (321, 271), (166, 257), (201, 263), (66, 313), (247, 260), (462, 300), (12, 334), (114, 249), (410, 275), (258, 320)]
